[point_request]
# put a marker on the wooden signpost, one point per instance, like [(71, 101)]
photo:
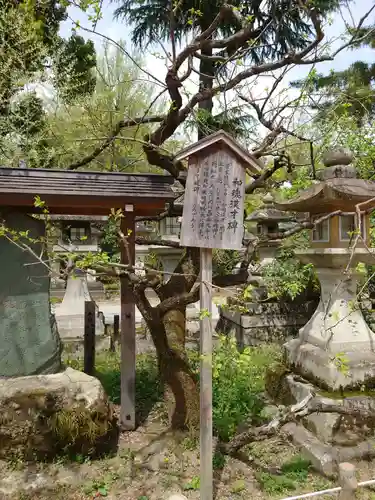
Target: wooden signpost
[(212, 218)]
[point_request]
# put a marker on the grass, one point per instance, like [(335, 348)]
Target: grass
[(148, 390), (294, 474)]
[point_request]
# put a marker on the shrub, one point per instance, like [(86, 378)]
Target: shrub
[(238, 383)]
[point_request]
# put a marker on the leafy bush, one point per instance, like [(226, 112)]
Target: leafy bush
[(148, 390), (287, 277), (238, 383)]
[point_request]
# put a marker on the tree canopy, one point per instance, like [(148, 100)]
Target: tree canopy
[(34, 56)]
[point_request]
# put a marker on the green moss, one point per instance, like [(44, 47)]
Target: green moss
[(276, 386), (347, 394), (79, 430)]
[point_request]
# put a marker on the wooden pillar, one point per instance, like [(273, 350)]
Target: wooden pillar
[(127, 327), (89, 338), (206, 469), (348, 481)]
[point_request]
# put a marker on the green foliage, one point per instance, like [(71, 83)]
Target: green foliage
[(150, 21), (238, 382), (148, 390), (347, 92), (286, 276), (74, 75), (74, 131), (33, 55), (224, 261), (233, 121), (294, 474), (281, 29), (193, 484)]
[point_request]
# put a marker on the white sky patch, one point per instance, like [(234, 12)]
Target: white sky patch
[(155, 61)]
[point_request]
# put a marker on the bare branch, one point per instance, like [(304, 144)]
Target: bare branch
[(112, 137)]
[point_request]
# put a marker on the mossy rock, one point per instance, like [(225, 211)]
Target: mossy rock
[(44, 416), (276, 384)]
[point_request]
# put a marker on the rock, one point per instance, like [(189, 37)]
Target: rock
[(320, 455), (339, 156), (270, 411), (18, 482), (323, 425), (177, 497), (43, 415)]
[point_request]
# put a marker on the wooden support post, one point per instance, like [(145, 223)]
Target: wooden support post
[(348, 482), (116, 327), (206, 475), (89, 338), (127, 327), (115, 332)]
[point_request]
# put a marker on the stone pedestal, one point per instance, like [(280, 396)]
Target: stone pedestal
[(70, 314), (335, 349), (28, 342)]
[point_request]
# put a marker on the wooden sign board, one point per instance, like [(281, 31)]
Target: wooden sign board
[(214, 202)]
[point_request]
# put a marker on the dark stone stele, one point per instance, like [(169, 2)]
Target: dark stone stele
[(29, 341)]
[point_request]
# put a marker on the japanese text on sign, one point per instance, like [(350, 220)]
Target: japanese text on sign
[(214, 203)]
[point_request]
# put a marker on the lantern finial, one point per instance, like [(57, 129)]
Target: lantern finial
[(337, 163)]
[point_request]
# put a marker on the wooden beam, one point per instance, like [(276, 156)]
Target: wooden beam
[(82, 205), (127, 327)]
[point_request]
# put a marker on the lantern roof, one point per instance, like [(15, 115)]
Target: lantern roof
[(339, 189), (222, 138), (268, 213)]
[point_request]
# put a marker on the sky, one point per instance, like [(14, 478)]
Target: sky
[(118, 30)]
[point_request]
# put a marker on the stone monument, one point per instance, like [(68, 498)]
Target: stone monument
[(333, 360), (37, 395), (70, 314), (29, 342)]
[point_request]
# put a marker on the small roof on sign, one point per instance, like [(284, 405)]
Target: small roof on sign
[(252, 163)]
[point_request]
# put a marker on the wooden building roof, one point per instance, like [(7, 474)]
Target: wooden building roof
[(84, 193)]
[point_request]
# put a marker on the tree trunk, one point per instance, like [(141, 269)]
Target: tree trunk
[(181, 387), (206, 70)]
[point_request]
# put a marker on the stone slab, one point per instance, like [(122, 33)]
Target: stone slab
[(28, 342), (321, 456), (323, 425)]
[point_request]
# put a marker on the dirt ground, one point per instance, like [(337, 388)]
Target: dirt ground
[(151, 464)]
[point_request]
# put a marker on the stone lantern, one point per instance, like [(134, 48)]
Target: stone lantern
[(268, 219), (335, 349)]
